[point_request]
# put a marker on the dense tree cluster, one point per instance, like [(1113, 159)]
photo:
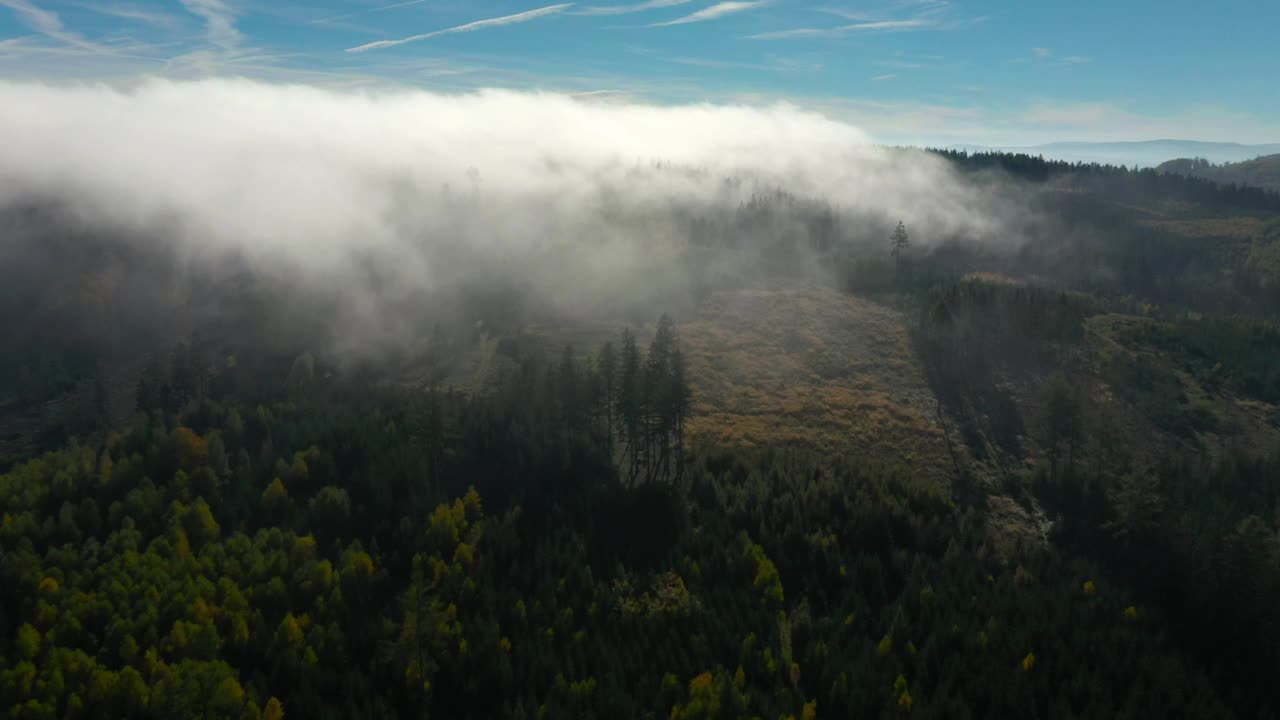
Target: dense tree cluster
[(1262, 172), (1112, 179), (285, 544)]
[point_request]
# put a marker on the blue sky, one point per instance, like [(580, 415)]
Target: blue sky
[(999, 72)]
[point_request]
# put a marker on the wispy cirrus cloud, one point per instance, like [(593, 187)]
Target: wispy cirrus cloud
[(1044, 55), (775, 64), (882, 78), (161, 20), (914, 8), (329, 20), (920, 15), (713, 12), (883, 25), (47, 23), (469, 27), (628, 9), (124, 48), (220, 23), (771, 63)]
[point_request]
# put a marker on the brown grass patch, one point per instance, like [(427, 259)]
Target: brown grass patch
[(1235, 228), (811, 367)]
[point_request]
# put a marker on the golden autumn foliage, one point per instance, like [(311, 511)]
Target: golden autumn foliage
[(707, 692), (1029, 662), (275, 498), (304, 548), (191, 449), (289, 632), (274, 710), (886, 645), (767, 579)]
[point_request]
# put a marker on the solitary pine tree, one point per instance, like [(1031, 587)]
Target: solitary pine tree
[(630, 401), (681, 399), (659, 396), (607, 364), (571, 409), (899, 242)]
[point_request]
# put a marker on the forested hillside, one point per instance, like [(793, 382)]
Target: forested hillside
[(850, 472), (1262, 172)]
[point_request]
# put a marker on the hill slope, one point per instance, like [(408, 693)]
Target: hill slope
[(1147, 153), (1263, 172)]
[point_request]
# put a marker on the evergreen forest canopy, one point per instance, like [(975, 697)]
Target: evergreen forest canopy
[(1262, 172), (813, 460)]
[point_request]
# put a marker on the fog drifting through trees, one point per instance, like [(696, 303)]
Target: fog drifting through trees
[(583, 201)]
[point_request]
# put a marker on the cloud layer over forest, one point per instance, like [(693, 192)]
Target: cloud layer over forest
[(578, 197)]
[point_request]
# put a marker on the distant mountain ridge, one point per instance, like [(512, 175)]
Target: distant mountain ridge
[(1146, 153), (1263, 172)]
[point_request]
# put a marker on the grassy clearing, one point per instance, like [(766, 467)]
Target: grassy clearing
[(1233, 228), (815, 368)]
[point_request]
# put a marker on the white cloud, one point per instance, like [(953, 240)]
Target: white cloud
[(127, 12), (774, 64), (469, 27), (585, 200), (1044, 55), (220, 23), (718, 10), (48, 23), (44, 21), (921, 15), (393, 6), (1039, 121), (913, 24), (882, 78), (332, 19), (628, 9)]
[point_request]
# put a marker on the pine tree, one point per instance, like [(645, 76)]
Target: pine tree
[(899, 242), (657, 394), (607, 365), (1063, 424), (630, 401), (681, 398), (570, 393)]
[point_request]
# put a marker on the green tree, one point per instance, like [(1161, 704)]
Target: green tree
[(607, 366), (631, 403), (1063, 425), (898, 244)]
